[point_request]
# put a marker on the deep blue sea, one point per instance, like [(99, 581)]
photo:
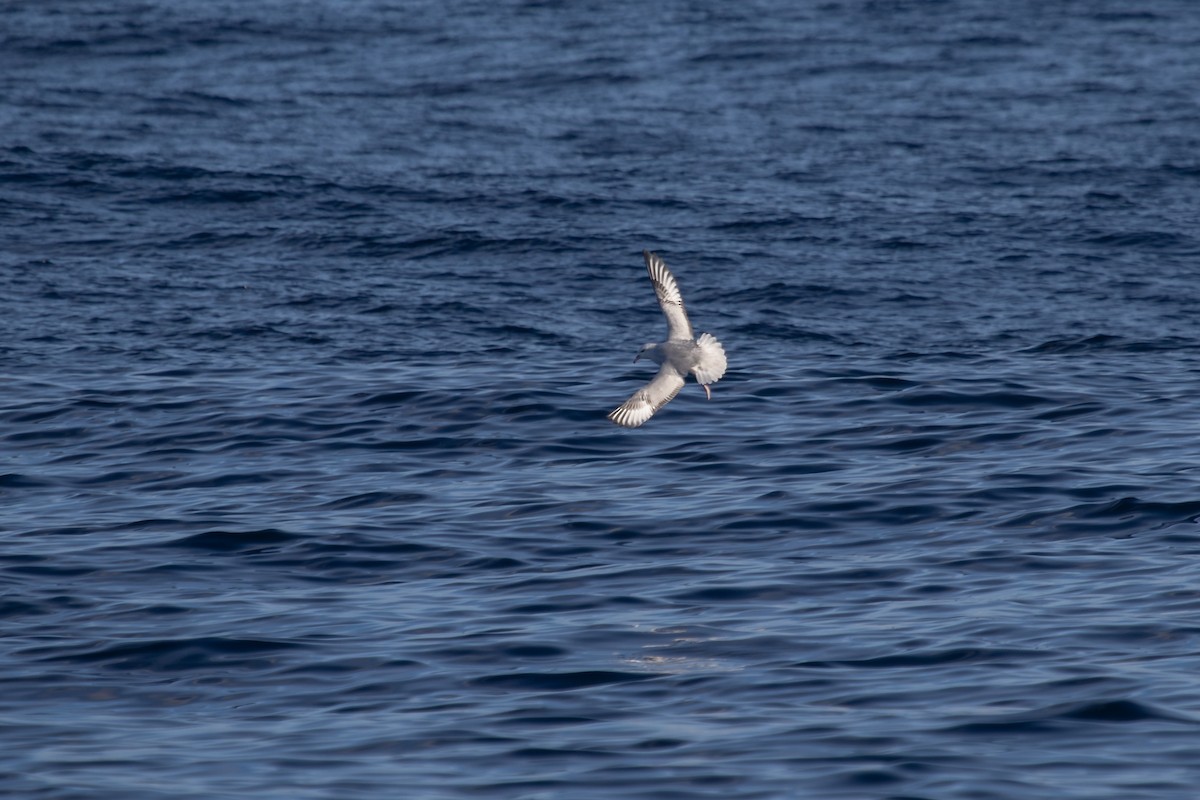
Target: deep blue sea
[(311, 314)]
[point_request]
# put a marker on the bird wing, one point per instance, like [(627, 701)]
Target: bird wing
[(678, 326), (648, 399)]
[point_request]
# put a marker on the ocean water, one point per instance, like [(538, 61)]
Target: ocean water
[(311, 315)]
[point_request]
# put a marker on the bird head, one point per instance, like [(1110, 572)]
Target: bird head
[(646, 348)]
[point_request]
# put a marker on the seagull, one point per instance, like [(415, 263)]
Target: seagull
[(680, 355)]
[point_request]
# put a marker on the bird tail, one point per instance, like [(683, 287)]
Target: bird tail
[(712, 359)]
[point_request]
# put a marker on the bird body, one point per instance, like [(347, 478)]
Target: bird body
[(679, 356)]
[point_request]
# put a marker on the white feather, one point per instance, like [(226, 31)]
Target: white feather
[(669, 297), (712, 361), (648, 399)]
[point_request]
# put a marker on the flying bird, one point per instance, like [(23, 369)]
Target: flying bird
[(680, 355)]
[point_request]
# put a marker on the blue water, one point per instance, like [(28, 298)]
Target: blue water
[(311, 315)]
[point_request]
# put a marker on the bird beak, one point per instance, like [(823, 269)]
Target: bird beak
[(635, 358)]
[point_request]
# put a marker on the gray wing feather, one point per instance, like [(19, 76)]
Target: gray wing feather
[(678, 326), (648, 399)]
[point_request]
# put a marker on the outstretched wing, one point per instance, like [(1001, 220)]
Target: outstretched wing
[(678, 326), (648, 399)]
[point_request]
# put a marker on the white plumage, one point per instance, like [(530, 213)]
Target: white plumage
[(680, 355)]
